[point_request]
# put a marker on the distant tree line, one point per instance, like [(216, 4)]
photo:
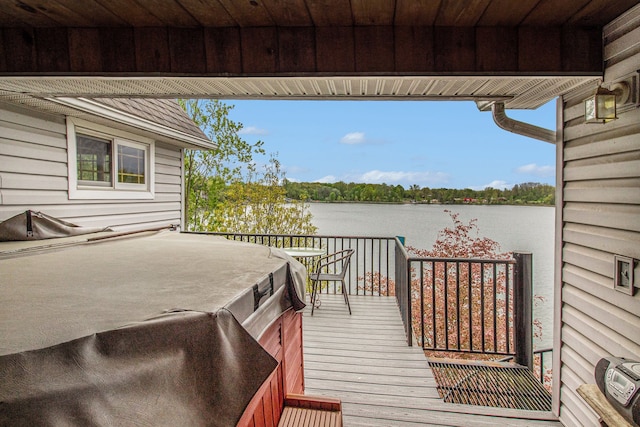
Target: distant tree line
[(520, 194)]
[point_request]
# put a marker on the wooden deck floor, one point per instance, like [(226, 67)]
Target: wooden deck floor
[(363, 360)]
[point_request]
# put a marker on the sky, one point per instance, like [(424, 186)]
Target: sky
[(436, 144)]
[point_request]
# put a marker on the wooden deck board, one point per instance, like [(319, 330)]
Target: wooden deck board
[(363, 360)]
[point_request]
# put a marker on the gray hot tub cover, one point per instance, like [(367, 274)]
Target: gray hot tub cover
[(146, 331), (30, 225)]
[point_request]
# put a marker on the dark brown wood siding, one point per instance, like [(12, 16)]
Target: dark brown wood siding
[(229, 51)]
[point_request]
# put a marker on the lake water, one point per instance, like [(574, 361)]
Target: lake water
[(515, 228)]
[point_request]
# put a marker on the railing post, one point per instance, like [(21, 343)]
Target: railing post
[(523, 308), (403, 289)]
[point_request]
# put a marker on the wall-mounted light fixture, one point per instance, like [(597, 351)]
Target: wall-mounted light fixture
[(600, 107), (607, 102)]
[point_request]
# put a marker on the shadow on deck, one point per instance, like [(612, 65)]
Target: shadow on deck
[(363, 360)]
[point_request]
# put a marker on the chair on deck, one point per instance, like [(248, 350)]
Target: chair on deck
[(331, 268)]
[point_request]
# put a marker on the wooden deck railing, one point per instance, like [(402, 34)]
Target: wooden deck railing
[(479, 306)]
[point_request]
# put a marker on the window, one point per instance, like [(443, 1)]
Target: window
[(131, 164), (107, 163), (93, 160)]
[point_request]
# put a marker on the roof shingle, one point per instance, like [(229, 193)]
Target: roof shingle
[(166, 112)]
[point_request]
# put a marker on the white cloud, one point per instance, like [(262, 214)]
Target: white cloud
[(252, 130), (534, 169), (497, 184), (390, 177), (327, 179), (353, 138), (378, 177)]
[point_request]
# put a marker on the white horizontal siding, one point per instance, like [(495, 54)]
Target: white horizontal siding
[(34, 175), (622, 190), (601, 218), (616, 216)]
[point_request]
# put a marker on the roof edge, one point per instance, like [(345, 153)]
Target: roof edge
[(111, 113)]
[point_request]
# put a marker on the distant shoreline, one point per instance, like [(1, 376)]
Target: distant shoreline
[(367, 202)]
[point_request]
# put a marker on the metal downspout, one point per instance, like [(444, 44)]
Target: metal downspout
[(521, 128)]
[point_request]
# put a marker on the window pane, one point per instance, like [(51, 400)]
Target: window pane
[(93, 159), (131, 164)]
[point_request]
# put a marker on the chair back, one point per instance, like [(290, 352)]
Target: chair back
[(339, 260)]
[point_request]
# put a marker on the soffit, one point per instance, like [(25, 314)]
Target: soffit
[(516, 92)]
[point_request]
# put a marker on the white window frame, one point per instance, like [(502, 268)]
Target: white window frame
[(116, 190)]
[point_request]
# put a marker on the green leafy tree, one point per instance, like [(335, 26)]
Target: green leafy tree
[(259, 206), (207, 173), (225, 191)]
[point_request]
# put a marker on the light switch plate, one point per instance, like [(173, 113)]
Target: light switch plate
[(623, 274)]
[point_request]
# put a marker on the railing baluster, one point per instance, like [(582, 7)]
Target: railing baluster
[(446, 305), (482, 303), (458, 305), (495, 310), (433, 304), (470, 302), (507, 304), (379, 263), (422, 303)]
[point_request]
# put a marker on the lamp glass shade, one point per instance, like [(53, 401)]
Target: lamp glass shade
[(601, 107)]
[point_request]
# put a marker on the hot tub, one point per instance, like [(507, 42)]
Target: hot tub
[(165, 328)]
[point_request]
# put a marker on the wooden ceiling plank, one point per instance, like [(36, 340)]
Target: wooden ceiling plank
[(209, 13), (92, 12), (35, 11), (132, 13), (248, 13), (326, 13), (169, 12), (553, 12), (373, 12), (597, 11), (461, 13), (288, 13), (254, 13), (22, 14), (507, 13), (416, 12)]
